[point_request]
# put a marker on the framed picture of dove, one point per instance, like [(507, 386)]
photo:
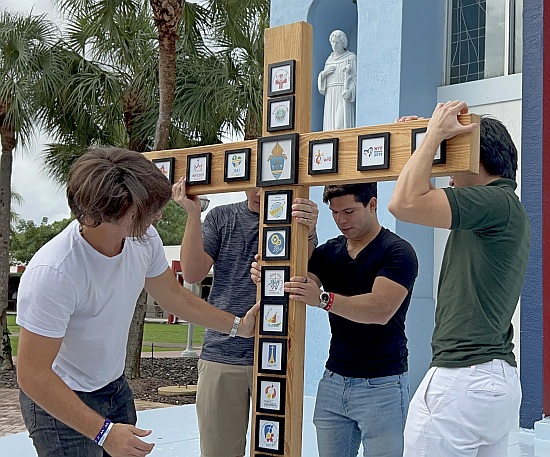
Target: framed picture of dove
[(277, 161)]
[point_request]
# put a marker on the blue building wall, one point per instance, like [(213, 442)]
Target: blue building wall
[(393, 78), (531, 195)]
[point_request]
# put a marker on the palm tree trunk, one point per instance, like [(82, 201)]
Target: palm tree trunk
[(6, 164), (167, 14), (135, 338)]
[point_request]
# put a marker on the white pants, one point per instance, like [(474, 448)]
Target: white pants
[(464, 412)]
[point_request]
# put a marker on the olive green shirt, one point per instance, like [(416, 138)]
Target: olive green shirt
[(481, 276)]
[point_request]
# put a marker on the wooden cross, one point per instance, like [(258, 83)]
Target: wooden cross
[(286, 47)]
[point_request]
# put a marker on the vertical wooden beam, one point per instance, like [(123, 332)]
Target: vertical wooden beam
[(290, 42)]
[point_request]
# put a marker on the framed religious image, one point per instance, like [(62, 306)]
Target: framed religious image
[(237, 165), (273, 279), (373, 151), (278, 207), (270, 434), (271, 395), (166, 165), (276, 243), (273, 318), (198, 168), (277, 161), (280, 113), (417, 135), (281, 78), (272, 356), (323, 156)]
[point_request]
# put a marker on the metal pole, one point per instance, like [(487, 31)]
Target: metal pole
[(189, 350)]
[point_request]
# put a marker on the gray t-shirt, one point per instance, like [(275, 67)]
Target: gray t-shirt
[(230, 237)]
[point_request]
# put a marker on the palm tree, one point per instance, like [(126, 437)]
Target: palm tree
[(28, 65)]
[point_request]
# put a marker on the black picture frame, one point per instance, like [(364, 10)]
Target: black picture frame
[(207, 156), (279, 391), (273, 278), (280, 105), (442, 147), (270, 249), (277, 206), (276, 354), (265, 420), (317, 157), (282, 74), (361, 151), (272, 157), (229, 165), (166, 166), (266, 310)]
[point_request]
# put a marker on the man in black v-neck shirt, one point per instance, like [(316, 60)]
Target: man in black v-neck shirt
[(367, 274)]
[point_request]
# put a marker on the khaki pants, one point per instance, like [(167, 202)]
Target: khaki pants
[(223, 403)]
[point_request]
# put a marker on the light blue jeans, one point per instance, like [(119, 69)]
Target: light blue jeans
[(351, 411)]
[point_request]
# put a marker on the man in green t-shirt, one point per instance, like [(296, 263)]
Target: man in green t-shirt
[(469, 400)]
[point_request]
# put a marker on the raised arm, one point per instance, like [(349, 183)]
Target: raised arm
[(414, 199), (195, 262)]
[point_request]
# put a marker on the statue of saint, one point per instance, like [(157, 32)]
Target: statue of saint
[(337, 82)]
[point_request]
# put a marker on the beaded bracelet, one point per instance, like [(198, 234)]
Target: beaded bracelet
[(100, 438)]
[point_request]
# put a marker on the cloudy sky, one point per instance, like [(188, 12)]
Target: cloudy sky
[(42, 197)]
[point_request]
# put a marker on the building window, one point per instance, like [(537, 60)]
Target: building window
[(485, 39)]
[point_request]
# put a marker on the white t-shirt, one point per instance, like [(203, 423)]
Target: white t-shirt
[(71, 291)]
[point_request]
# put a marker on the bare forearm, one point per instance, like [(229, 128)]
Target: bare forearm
[(194, 261), (48, 390), (364, 309), (414, 179)]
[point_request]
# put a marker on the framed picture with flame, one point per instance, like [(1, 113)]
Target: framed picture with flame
[(273, 318), (198, 168), (237, 165), (277, 160), (281, 78), (166, 166), (323, 156)]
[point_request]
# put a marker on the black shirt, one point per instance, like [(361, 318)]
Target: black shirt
[(366, 350)]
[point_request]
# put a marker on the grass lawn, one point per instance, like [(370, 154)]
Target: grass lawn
[(157, 333)]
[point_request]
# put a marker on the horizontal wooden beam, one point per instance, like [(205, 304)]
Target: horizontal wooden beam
[(462, 157)]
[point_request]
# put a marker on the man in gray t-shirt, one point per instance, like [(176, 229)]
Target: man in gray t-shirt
[(228, 241)]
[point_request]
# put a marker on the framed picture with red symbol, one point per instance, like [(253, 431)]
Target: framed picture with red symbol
[(281, 78), (271, 395), (323, 156)]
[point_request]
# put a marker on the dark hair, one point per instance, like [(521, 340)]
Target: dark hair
[(105, 182), (498, 154), (363, 192)]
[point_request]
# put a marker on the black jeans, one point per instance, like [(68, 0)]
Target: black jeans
[(51, 437)]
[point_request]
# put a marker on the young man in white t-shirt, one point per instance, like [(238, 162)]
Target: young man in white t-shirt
[(76, 301)]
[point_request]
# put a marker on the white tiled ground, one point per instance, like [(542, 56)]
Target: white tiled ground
[(175, 434)]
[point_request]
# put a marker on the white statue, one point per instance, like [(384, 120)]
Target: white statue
[(337, 82)]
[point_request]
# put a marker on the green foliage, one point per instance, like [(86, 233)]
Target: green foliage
[(27, 238), (172, 224)]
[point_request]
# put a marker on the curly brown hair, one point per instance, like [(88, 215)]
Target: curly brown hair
[(105, 182)]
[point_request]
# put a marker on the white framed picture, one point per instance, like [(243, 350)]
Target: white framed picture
[(198, 168), (271, 395), (373, 152), (272, 356)]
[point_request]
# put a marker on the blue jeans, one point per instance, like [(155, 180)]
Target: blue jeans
[(351, 411), (52, 438)]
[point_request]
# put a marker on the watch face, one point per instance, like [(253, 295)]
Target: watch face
[(325, 297)]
